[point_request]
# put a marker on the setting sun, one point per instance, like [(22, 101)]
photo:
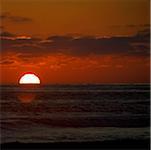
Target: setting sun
[(29, 78)]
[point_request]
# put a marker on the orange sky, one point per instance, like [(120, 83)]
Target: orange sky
[(75, 41), (86, 17)]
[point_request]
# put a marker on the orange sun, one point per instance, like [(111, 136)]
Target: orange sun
[(29, 78)]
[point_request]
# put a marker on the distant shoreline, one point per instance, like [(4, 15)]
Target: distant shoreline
[(114, 144)]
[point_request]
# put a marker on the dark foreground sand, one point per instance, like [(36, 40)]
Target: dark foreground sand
[(118, 144)]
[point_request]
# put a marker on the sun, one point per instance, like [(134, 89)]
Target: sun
[(29, 78)]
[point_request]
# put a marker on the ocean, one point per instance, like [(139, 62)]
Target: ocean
[(74, 113)]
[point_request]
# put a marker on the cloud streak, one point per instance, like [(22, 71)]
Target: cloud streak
[(131, 26), (6, 62), (136, 45), (15, 19)]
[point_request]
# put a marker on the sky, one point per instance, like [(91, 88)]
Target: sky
[(75, 41)]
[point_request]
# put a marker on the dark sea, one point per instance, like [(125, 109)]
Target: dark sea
[(74, 113)]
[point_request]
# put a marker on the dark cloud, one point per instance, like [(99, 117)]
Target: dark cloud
[(136, 45), (144, 33), (132, 26), (6, 62), (15, 19), (60, 38), (7, 34)]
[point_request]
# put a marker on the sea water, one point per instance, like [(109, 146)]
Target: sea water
[(74, 113)]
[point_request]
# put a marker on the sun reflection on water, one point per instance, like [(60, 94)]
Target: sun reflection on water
[(27, 93), (26, 97)]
